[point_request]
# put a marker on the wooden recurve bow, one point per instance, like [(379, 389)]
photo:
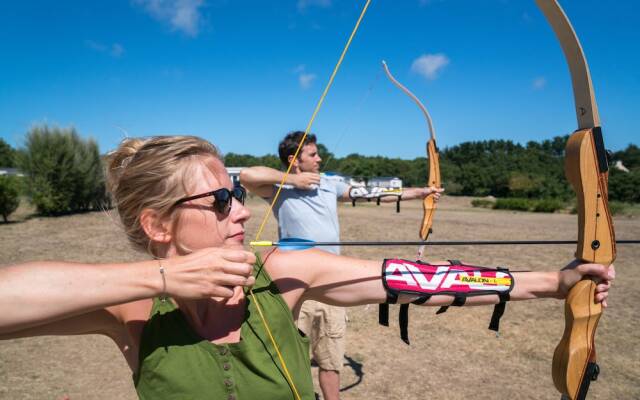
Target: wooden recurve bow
[(429, 203), (586, 168)]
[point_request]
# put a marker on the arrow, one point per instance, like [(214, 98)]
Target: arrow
[(301, 244)]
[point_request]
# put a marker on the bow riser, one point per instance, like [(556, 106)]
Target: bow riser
[(428, 203), (588, 173), (574, 360)]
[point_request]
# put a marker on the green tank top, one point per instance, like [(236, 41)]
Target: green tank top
[(176, 363)]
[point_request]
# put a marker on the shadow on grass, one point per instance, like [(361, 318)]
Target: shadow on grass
[(10, 222), (26, 213)]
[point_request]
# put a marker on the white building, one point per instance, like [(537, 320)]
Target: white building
[(234, 174), (10, 172), (349, 180)]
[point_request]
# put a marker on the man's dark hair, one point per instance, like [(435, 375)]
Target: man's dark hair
[(289, 144)]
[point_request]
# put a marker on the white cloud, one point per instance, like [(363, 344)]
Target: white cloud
[(181, 15), (305, 79), (539, 83), (430, 65), (304, 4), (114, 50)]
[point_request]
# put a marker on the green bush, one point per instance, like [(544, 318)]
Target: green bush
[(7, 155), (513, 204), (64, 172), (617, 207), (484, 203), (624, 186), (548, 205), (9, 195)]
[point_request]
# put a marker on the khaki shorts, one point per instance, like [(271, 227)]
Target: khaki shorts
[(325, 326)]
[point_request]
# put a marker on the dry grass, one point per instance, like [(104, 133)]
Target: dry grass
[(452, 356)]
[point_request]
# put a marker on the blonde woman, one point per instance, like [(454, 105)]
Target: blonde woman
[(184, 320)]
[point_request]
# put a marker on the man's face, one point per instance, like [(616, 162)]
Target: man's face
[(308, 159)]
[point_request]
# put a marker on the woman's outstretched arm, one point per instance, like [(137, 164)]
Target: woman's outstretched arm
[(36, 294), (345, 281)]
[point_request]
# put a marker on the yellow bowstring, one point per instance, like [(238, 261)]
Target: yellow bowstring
[(284, 178)]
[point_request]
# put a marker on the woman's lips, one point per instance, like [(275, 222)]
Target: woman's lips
[(238, 236)]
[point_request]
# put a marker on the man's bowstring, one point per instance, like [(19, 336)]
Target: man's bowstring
[(284, 178), (311, 120), (355, 112)]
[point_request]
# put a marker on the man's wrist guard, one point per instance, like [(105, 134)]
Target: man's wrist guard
[(377, 193), (458, 280)]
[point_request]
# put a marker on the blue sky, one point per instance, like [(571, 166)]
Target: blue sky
[(243, 73)]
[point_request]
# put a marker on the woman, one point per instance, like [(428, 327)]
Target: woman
[(186, 322)]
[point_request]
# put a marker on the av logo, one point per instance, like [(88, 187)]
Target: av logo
[(436, 278)]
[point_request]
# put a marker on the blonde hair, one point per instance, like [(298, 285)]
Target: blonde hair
[(149, 173)]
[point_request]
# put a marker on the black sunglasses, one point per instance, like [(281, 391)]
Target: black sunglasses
[(222, 198)]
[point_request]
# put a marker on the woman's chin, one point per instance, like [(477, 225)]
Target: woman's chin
[(234, 244)]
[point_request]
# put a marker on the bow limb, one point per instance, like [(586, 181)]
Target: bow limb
[(586, 169), (429, 203)]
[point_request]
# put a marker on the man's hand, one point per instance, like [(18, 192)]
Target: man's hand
[(424, 192), (305, 180), (575, 271)]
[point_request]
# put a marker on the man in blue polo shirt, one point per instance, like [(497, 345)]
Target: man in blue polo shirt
[(307, 209)]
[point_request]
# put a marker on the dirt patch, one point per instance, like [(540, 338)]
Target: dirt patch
[(452, 356)]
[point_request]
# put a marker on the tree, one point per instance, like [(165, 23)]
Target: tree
[(9, 196), (630, 156), (623, 186), (64, 172), (7, 155)]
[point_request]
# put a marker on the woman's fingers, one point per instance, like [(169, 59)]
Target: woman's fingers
[(238, 256), (599, 271), (233, 268), (213, 272), (231, 279)]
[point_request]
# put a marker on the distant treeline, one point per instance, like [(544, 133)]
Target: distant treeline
[(499, 168), (61, 173)]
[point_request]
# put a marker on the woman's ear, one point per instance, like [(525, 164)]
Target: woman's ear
[(157, 229)]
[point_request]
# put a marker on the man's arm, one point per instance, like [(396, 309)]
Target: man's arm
[(407, 194), (415, 194), (260, 180)]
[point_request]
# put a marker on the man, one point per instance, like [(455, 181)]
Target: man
[(307, 209)]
